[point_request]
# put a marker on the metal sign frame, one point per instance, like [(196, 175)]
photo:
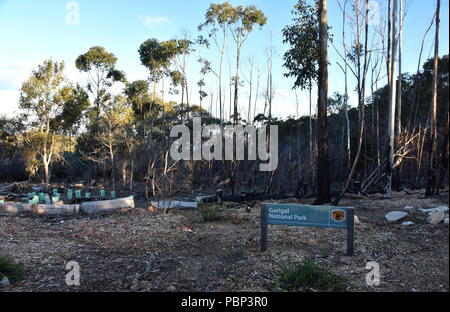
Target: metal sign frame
[(308, 216)]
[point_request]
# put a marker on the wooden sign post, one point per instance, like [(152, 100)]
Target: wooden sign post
[(308, 216)]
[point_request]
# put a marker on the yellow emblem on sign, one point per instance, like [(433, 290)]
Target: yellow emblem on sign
[(338, 215)]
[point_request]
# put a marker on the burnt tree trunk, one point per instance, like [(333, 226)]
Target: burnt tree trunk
[(323, 174), (432, 147)]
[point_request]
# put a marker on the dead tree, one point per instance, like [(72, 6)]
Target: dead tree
[(361, 78), (323, 174), (432, 147), (392, 99)]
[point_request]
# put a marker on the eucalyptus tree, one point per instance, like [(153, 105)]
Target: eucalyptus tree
[(216, 25), (157, 57), (114, 123), (139, 98), (359, 56), (323, 174), (399, 84), (302, 58), (433, 141), (184, 47), (392, 100), (238, 21), (241, 23), (348, 149), (52, 107), (100, 67)]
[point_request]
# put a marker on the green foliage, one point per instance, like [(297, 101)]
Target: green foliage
[(76, 102), (52, 108), (141, 101), (248, 17), (238, 20), (336, 103), (100, 66), (117, 75), (302, 59), (157, 56), (11, 270), (308, 275), (96, 58), (210, 212), (417, 217), (9, 127), (177, 78), (225, 15), (355, 53), (41, 94), (184, 46)]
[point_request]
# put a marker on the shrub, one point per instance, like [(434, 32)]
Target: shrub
[(309, 275), (11, 270), (210, 212)]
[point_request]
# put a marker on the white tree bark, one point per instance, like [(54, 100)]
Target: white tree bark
[(392, 98)]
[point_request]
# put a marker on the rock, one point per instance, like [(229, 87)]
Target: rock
[(356, 220), (408, 223), (436, 217), (171, 288), (395, 216), (441, 208), (4, 282), (446, 221), (409, 208)]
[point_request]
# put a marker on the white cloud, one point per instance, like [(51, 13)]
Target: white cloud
[(156, 20), (13, 74), (9, 102)]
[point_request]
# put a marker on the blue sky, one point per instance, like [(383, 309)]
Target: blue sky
[(32, 31)]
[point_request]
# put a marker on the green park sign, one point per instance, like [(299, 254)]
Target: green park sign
[(308, 216)]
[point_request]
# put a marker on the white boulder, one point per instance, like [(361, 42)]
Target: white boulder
[(409, 208), (436, 217), (395, 216), (408, 223), (441, 208)]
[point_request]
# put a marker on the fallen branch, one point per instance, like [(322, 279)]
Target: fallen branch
[(107, 206)]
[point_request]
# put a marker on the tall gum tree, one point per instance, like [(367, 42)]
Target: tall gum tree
[(432, 150), (53, 107), (241, 24), (100, 67), (323, 174), (302, 58)]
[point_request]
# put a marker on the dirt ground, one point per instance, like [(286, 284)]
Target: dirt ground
[(193, 255)]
